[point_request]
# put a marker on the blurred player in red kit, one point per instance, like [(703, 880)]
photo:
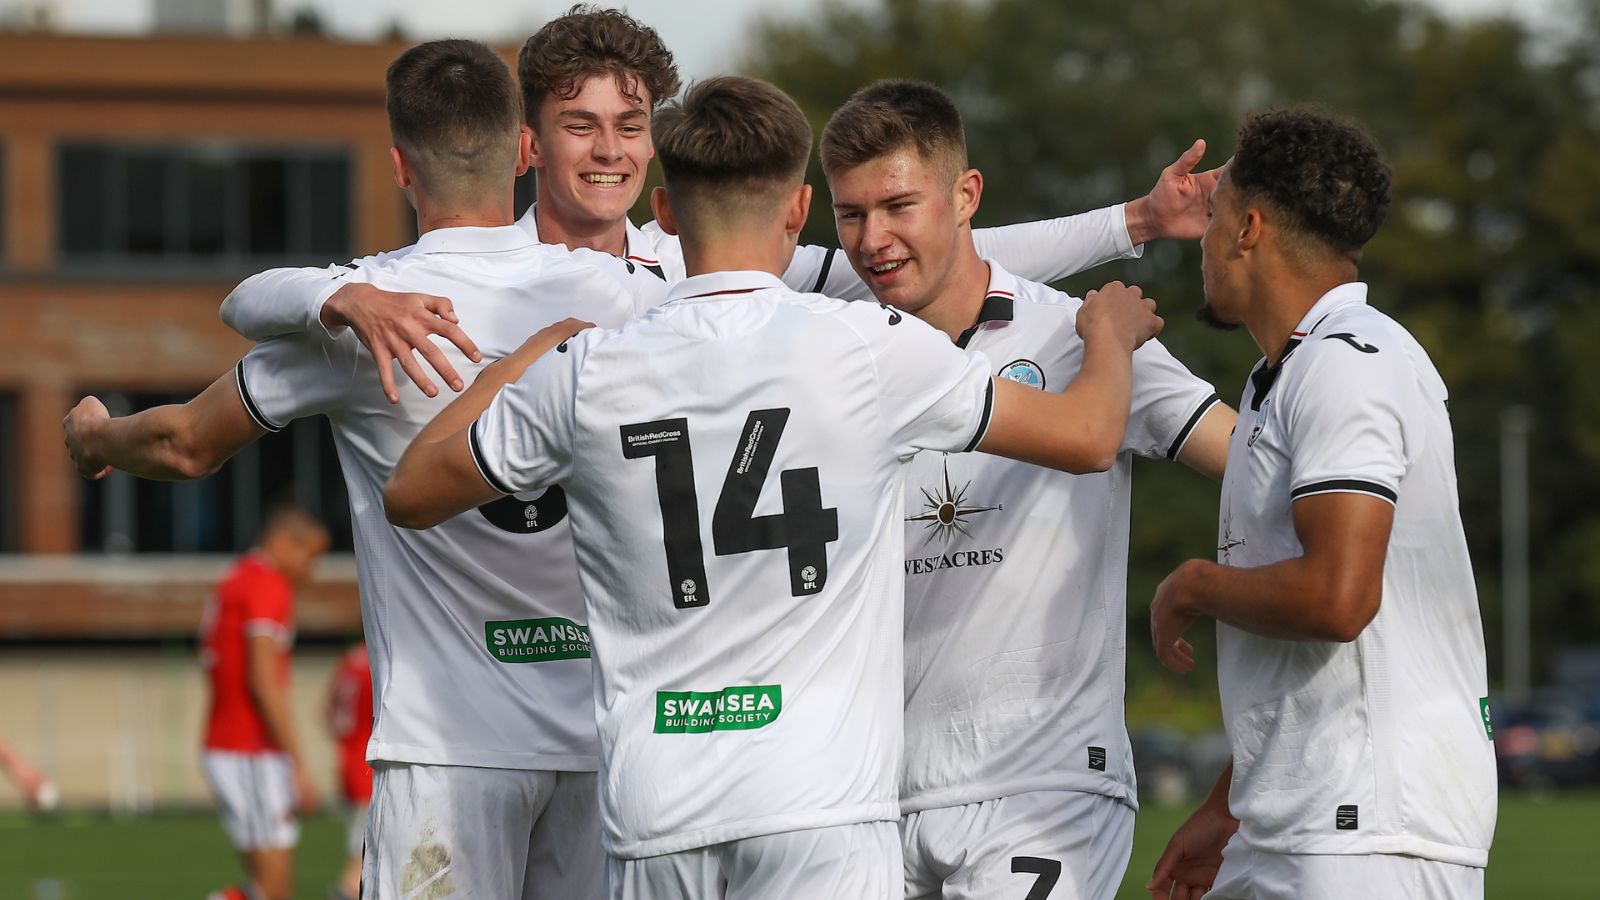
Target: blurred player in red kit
[(350, 720), (251, 756)]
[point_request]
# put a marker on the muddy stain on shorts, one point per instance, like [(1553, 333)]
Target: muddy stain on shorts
[(426, 875)]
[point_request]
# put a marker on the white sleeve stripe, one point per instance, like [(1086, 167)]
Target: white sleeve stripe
[(250, 403), (268, 627), (1188, 427), (483, 464), (983, 423), (1345, 486)]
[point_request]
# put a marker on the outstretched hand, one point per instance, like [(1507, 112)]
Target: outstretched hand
[(395, 327), (1176, 207)]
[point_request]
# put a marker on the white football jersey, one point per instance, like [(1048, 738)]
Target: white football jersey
[(1016, 580), (289, 301), (475, 628), (733, 463), (1381, 745)]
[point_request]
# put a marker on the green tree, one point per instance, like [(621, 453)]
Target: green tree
[(1491, 255)]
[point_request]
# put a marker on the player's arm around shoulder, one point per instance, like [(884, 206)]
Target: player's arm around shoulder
[(176, 442), (441, 475), (1080, 429)]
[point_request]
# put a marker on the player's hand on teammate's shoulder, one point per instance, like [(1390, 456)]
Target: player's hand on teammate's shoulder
[(546, 339), (88, 414), (1119, 312), (394, 326)]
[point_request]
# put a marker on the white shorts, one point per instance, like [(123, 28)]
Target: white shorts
[(459, 831), (858, 862), (1064, 845), (1252, 875), (255, 795)]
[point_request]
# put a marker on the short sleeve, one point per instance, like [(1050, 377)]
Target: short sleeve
[(266, 607), (1168, 402), (1344, 421), (290, 377), (826, 271), (524, 440), (933, 394)]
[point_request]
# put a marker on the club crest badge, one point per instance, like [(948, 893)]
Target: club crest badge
[(1024, 371)]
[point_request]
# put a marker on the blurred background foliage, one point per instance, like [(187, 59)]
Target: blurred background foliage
[(1490, 255)]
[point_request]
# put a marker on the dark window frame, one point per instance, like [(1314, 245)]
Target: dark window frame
[(91, 182)]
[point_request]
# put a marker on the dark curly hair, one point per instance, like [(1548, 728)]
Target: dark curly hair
[(1323, 173), (590, 41)]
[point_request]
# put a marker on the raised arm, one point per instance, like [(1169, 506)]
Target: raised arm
[(168, 443), (1052, 249), (392, 326), (1080, 429)]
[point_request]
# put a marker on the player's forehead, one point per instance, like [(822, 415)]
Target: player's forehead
[(897, 171), (603, 94)]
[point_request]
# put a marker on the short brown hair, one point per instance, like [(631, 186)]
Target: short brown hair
[(590, 41), (886, 116), (733, 146), (453, 112)]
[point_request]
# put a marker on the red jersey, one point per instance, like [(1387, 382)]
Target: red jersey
[(253, 599), (350, 716)]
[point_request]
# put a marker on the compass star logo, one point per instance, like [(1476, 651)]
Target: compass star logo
[(1229, 542), (945, 511)]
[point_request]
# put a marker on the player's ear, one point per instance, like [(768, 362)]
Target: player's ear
[(535, 155), (799, 208), (1250, 230), (968, 192), (524, 150), (662, 208), (403, 176)]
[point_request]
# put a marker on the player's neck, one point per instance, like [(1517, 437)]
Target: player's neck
[(959, 301), (1283, 297), (490, 213), (755, 250), (590, 234)]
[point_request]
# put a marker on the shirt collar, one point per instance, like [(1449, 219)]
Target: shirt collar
[(1351, 292), (998, 302), (473, 239), (723, 284), (636, 247), (1264, 376)]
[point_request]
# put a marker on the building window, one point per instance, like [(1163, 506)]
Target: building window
[(9, 540), (222, 513), (201, 206)]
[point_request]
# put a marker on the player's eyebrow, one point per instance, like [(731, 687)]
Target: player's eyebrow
[(896, 198)]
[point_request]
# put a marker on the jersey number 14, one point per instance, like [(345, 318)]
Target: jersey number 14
[(804, 528)]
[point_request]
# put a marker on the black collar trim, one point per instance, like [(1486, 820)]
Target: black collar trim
[(997, 307)]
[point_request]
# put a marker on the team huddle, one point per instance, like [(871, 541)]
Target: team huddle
[(740, 570)]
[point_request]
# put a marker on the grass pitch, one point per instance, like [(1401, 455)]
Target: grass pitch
[(1544, 849)]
